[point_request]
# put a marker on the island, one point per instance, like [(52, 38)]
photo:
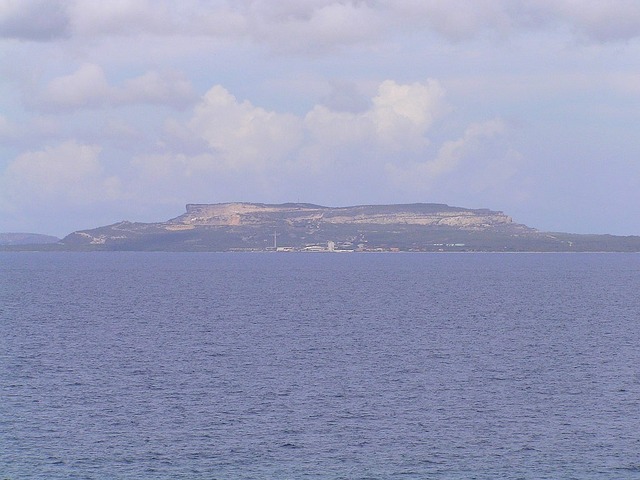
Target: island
[(304, 227)]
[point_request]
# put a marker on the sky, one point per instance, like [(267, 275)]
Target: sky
[(130, 109)]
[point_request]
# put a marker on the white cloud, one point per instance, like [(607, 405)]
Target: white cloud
[(398, 118), (268, 148), (233, 142), (232, 149), (451, 154), (403, 113), (242, 135), (88, 87), (66, 174)]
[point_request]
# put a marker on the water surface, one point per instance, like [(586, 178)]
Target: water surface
[(319, 366)]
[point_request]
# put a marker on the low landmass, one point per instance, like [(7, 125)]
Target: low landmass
[(420, 227), (7, 239)]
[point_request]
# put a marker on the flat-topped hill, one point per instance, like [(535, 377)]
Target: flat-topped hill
[(292, 214), (307, 227)]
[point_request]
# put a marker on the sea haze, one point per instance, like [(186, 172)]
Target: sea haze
[(319, 366)]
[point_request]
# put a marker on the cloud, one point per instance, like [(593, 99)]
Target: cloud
[(316, 25), (38, 20), (593, 19), (229, 141), (89, 88), (229, 148), (455, 21), (233, 146), (242, 135), (398, 118), (464, 19), (450, 155), (65, 174), (403, 113)]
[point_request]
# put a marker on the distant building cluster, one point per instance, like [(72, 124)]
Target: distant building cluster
[(349, 247), (330, 246)]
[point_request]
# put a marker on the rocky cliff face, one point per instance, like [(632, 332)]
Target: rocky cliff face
[(247, 214), (424, 227)]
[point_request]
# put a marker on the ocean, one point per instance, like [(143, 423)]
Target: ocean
[(131, 366)]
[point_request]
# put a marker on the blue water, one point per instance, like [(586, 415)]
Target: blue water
[(319, 366)]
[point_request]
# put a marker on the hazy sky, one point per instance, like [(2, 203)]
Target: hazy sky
[(128, 109)]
